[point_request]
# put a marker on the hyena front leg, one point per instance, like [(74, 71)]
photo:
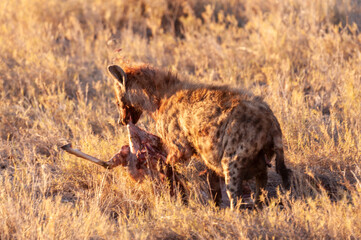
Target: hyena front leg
[(233, 182), (176, 183), (215, 185)]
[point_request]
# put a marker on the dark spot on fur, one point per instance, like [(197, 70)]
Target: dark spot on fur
[(241, 137), (259, 128), (189, 95), (256, 121), (181, 99), (218, 110), (218, 134), (249, 119), (243, 118), (174, 113)]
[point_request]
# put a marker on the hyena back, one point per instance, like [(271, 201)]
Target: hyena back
[(234, 133)]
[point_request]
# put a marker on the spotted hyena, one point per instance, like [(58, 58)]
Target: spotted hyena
[(234, 133)]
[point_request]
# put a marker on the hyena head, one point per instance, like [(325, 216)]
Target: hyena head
[(128, 111)]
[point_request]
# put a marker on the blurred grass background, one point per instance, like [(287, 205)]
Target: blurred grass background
[(302, 56)]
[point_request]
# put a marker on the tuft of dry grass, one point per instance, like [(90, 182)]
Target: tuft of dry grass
[(302, 56)]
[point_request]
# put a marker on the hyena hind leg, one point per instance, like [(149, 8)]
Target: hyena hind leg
[(261, 183), (282, 170), (261, 164)]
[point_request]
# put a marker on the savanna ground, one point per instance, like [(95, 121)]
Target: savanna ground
[(302, 56)]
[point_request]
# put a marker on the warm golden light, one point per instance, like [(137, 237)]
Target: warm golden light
[(302, 56)]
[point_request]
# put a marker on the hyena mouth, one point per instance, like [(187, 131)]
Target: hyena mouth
[(131, 114)]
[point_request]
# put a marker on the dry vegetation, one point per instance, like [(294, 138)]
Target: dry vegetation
[(302, 56)]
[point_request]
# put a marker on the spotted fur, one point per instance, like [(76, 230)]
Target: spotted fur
[(233, 132)]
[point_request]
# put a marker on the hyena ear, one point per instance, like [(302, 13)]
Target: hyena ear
[(118, 74)]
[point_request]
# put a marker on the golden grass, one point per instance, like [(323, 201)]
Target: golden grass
[(303, 57)]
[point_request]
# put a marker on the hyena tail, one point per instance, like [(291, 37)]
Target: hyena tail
[(281, 168)]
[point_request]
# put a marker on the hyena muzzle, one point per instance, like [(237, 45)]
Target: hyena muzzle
[(235, 133)]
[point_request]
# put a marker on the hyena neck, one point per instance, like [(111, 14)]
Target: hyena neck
[(166, 84), (167, 89), (150, 87)]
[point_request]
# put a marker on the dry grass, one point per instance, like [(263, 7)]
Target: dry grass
[(303, 57)]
